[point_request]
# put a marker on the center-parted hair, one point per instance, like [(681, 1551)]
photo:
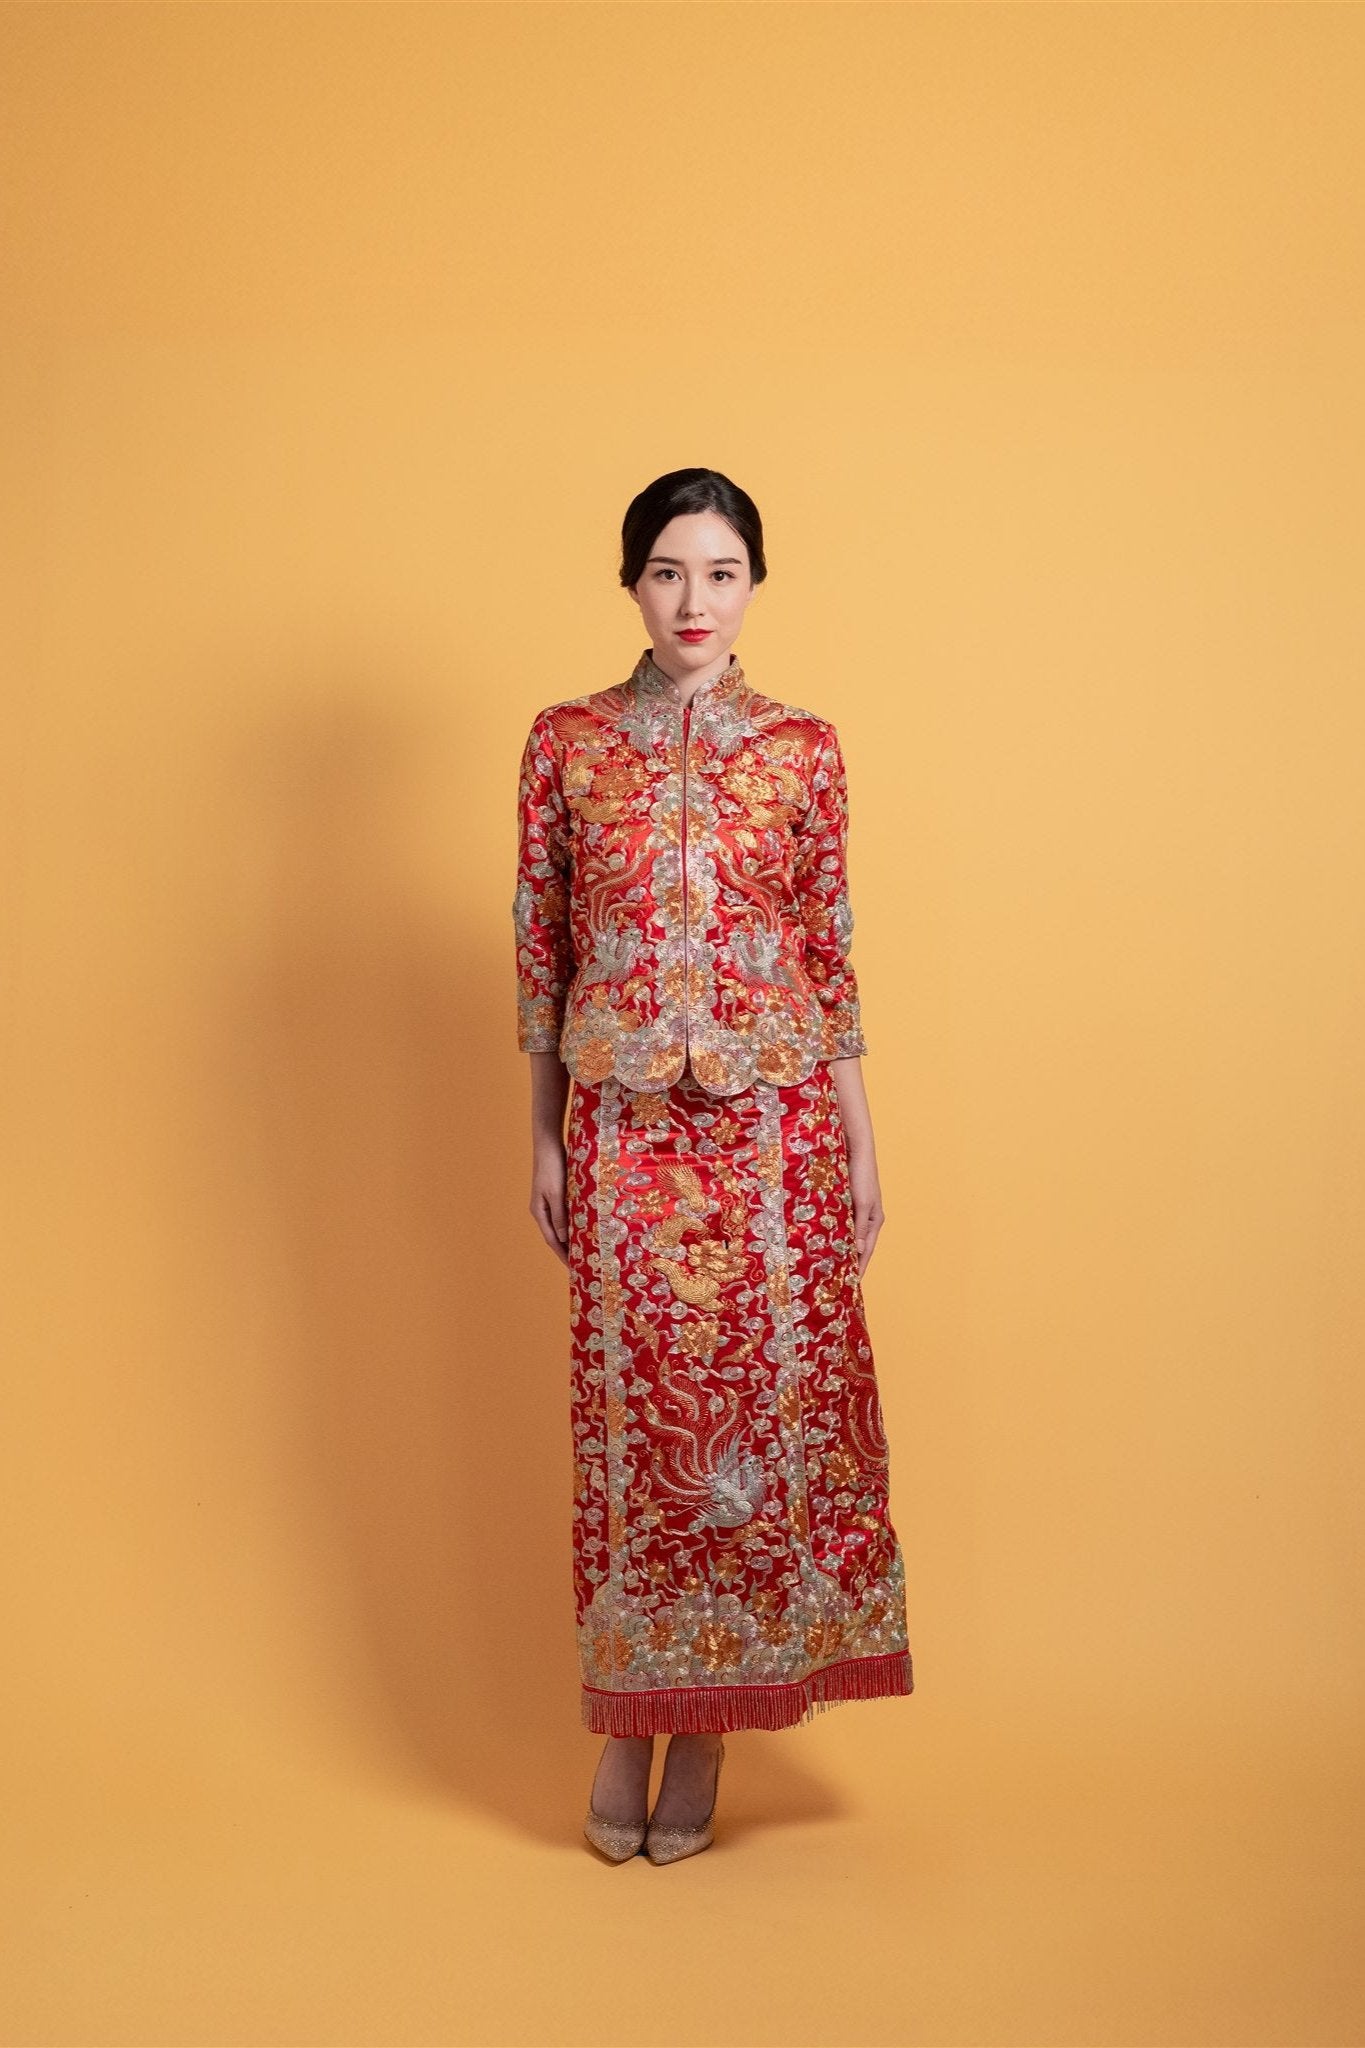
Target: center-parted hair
[(681, 491)]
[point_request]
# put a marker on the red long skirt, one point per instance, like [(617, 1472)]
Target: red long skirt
[(734, 1561)]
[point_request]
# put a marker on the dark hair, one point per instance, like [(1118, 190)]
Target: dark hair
[(687, 490)]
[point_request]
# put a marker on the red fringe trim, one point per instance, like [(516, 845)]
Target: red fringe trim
[(693, 1709)]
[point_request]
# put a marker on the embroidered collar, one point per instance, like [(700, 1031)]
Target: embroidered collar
[(728, 687)]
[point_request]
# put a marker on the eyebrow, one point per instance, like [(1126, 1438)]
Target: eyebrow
[(673, 561)]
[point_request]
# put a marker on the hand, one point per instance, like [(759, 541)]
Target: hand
[(868, 1214), (548, 1204)]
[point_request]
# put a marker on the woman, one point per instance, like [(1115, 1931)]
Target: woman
[(683, 928)]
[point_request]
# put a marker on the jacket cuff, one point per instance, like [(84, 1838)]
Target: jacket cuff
[(851, 1045)]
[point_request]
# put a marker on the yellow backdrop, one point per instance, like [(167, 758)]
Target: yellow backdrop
[(336, 340)]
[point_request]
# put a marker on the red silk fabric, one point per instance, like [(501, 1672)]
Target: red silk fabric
[(734, 1561)]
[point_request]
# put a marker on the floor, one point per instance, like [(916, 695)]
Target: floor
[(883, 1875)]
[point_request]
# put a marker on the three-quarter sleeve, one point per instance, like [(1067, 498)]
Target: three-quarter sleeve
[(820, 875), (540, 907)]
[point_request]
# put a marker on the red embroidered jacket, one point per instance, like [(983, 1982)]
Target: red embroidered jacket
[(682, 894)]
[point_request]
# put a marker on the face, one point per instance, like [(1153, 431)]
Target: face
[(697, 576)]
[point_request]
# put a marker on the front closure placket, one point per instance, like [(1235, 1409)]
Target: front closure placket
[(687, 965)]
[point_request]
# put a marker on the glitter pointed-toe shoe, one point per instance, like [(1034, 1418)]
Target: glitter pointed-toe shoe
[(667, 1842), (619, 1839)]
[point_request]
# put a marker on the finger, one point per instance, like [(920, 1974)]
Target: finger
[(545, 1209), (559, 1213), (561, 1251)]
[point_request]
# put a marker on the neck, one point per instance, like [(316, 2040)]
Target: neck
[(684, 688)]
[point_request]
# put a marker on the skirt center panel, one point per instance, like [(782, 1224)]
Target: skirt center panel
[(730, 1461)]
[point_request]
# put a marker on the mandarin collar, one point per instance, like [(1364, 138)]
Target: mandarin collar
[(729, 686)]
